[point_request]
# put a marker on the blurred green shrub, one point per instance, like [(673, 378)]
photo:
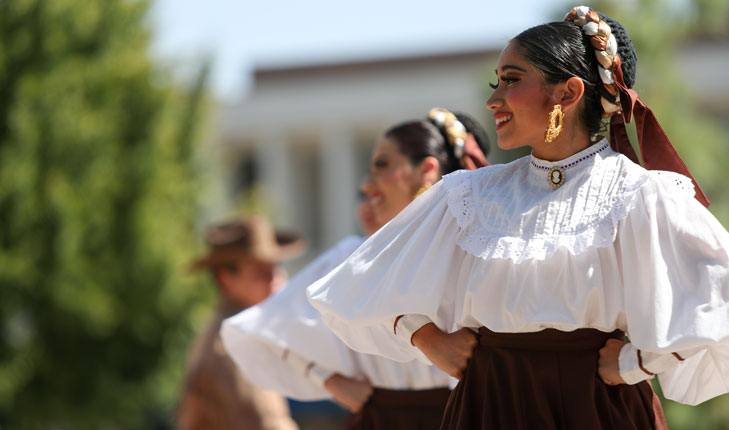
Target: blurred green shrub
[(97, 208)]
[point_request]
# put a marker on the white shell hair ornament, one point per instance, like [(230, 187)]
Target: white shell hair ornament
[(606, 48), (455, 131)]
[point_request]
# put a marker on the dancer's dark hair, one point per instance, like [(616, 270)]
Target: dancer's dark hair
[(420, 139)]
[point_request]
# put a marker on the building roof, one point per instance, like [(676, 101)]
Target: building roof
[(370, 64)]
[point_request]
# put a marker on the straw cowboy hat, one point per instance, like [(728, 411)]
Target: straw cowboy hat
[(250, 236)]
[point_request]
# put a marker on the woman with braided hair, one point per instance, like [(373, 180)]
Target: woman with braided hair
[(554, 258), (282, 344)]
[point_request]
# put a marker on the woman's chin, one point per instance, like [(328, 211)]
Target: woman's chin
[(505, 143), (385, 217), (381, 219)]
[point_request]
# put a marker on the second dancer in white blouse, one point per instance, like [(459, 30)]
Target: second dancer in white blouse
[(282, 343)]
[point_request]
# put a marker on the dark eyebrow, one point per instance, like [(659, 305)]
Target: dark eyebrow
[(380, 157), (511, 67)]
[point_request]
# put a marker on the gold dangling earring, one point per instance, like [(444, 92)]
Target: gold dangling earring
[(422, 189), (555, 124)]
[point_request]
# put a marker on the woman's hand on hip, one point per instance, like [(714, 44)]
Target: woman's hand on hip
[(351, 393), (449, 351), (608, 365)]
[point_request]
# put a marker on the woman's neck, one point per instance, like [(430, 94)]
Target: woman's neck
[(562, 147)]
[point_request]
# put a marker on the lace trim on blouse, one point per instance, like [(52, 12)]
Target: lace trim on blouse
[(510, 212)]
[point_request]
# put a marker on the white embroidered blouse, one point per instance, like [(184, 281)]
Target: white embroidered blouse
[(615, 247), (281, 344)]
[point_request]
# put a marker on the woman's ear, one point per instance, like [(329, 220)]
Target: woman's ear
[(429, 171), (569, 93)]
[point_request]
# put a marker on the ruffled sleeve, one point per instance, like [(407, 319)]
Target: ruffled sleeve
[(281, 344), (675, 264), (412, 265)]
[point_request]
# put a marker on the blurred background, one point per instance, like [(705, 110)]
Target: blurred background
[(126, 126)]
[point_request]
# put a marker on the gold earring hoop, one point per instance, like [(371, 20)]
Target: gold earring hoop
[(555, 124)]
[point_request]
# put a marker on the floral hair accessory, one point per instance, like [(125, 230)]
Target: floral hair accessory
[(455, 132), (465, 148)]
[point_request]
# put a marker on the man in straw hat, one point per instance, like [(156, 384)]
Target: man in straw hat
[(243, 256)]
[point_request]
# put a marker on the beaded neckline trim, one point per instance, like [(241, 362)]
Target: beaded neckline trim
[(556, 176), (571, 164)]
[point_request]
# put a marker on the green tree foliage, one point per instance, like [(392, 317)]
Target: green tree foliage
[(710, 18), (97, 209)]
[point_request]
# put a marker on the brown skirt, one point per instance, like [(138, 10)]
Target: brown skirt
[(546, 380), (401, 410)]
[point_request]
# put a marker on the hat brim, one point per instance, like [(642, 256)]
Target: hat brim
[(289, 245)]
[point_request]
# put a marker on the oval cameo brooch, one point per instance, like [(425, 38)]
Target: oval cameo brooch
[(556, 177)]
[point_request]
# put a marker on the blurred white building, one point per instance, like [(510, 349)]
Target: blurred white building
[(305, 133)]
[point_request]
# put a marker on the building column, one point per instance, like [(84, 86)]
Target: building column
[(275, 171), (338, 185)]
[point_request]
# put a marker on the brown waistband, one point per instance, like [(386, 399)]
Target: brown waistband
[(433, 397), (549, 339)]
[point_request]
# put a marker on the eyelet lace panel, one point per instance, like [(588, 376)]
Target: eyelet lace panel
[(500, 220), (676, 182)]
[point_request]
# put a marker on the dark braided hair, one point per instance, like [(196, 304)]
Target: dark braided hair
[(418, 140), (626, 50), (560, 50)]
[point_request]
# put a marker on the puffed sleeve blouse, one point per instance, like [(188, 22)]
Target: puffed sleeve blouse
[(282, 344), (614, 247)]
